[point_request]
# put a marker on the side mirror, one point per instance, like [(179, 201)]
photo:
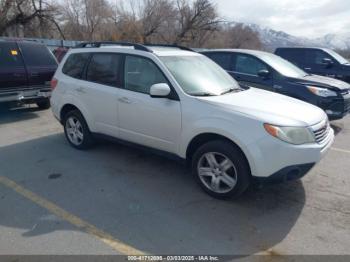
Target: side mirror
[(265, 74), (160, 90), (327, 62)]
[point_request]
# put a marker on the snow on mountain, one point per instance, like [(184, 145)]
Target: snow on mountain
[(340, 41), (273, 39)]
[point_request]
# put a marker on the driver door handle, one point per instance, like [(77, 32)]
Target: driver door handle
[(124, 100)]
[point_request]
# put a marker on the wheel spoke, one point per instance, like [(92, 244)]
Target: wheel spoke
[(71, 122), (215, 183), (70, 130), (74, 138), (225, 165), (78, 125), (79, 135), (228, 180), (205, 171), (210, 157)]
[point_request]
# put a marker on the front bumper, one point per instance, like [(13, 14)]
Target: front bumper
[(287, 174), (336, 108), (29, 95), (271, 157)]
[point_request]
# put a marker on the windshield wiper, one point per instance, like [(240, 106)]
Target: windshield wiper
[(202, 94)]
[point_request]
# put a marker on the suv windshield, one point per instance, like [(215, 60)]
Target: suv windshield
[(337, 57), (199, 76), (283, 66)]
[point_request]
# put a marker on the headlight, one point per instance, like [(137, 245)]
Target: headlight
[(292, 135), (324, 92)]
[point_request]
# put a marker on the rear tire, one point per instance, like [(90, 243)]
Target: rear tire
[(44, 104), (77, 131), (221, 169)]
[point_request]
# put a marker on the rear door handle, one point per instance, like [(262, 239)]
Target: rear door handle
[(124, 100), (307, 68)]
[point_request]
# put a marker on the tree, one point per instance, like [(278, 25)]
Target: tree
[(195, 21), (154, 15), (85, 19), (18, 15), (234, 36)]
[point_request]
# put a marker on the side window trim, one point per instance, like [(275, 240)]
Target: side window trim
[(173, 94)]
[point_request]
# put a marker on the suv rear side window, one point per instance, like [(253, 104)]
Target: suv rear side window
[(105, 69), (37, 55), (10, 56), (141, 74), (222, 59), (295, 56), (74, 65), (248, 65)]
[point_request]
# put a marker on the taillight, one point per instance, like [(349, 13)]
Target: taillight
[(53, 83)]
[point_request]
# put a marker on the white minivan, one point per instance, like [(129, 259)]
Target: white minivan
[(181, 102)]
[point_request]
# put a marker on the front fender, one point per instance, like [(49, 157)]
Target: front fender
[(235, 131)]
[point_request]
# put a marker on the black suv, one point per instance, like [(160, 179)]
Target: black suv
[(319, 61), (271, 72), (26, 69)]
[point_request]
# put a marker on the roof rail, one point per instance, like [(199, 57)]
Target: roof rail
[(171, 45), (106, 43)]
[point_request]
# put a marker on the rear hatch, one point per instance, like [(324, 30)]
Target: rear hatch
[(13, 74), (40, 64)]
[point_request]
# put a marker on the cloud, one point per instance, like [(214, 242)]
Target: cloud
[(308, 18)]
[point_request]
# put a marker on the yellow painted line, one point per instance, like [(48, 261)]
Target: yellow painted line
[(74, 220), (340, 150)]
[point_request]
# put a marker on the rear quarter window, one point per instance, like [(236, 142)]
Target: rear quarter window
[(37, 55), (10, 56), (295, 56), (105, 68), (75, 64)]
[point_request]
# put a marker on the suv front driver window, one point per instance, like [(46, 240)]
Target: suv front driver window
[(317, 57), (248, 65), (141, 74)]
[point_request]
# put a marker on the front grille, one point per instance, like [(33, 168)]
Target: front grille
[(322, 132)]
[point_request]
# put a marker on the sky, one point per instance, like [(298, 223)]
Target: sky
[(306, 18)]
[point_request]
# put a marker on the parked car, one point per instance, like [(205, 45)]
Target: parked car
[(270, 72), (60, 52), (26, 69), (181, 102), (318, 61)]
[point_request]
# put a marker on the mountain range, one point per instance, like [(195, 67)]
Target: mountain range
[(272, 39)]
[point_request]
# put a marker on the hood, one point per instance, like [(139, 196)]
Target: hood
[(322, 81), (269, 107)]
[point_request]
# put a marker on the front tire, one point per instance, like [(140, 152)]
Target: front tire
[(221, 169), (77, 131)]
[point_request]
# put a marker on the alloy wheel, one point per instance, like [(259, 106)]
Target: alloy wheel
[(217, 172)]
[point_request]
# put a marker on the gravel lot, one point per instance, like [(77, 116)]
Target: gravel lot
[(116, 199)]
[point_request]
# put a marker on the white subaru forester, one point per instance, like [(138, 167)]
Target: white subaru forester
[(180, 102)]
